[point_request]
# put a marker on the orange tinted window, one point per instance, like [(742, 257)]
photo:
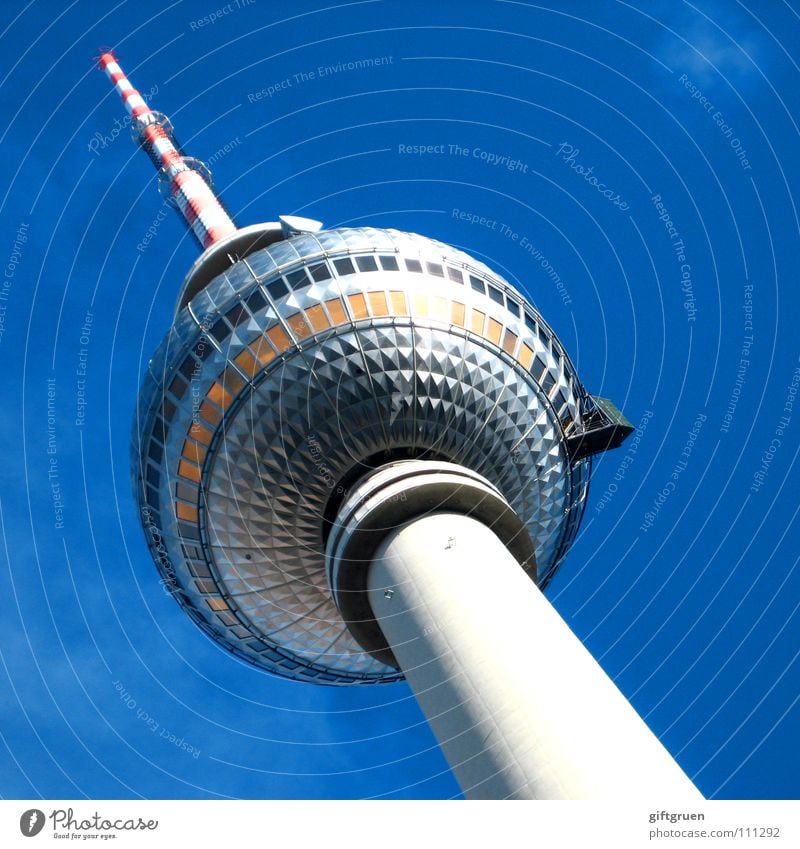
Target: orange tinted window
[(526, 356), (440, 309), (189, 471), (247, 363), (377, 303), (220, 396), (358, 305), (209, 413), (336, 311), (277, 335), (494, 330), (317, 318), (398, 303), (201, 434), (186, 511)]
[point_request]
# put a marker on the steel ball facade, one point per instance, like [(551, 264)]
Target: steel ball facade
[(300, 368)]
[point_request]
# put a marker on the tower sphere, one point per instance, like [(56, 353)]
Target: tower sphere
[(296, 371)]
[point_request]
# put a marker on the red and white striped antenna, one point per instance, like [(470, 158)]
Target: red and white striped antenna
[(186, 182)]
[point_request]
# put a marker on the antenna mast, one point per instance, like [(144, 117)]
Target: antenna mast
[(184, 181)]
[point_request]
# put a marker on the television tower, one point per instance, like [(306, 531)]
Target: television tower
[(360, 456)]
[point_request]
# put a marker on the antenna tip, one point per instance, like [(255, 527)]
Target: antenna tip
[(106, 57)]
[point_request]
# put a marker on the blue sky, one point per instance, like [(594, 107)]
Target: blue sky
[(674, 291)]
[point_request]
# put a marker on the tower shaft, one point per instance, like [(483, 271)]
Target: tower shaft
[(520, 708)]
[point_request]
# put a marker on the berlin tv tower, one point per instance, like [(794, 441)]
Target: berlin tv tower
[(360, 456)]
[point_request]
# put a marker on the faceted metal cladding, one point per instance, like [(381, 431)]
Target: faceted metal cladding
[(300, 369)]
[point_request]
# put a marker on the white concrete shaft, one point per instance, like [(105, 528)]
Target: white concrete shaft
[(519, 706)]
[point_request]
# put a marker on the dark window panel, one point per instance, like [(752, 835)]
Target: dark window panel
[(366, 263), (298, 279), (256, 301), (178, 387), (202, 350), (186, 492), (277, 289), (530, 323), (220, 330), (477, 284), (198, 568), (513, 306), (155, 452), (152, 498), (237, 315), (389, 263), (153, 475), (227, 618), (188, 531), (320, 272), (160, 430), (414, 265), (188, 367), (455, 275), (495, 294), (167, 409), (344, 266), (274, 656), (435, 269)]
